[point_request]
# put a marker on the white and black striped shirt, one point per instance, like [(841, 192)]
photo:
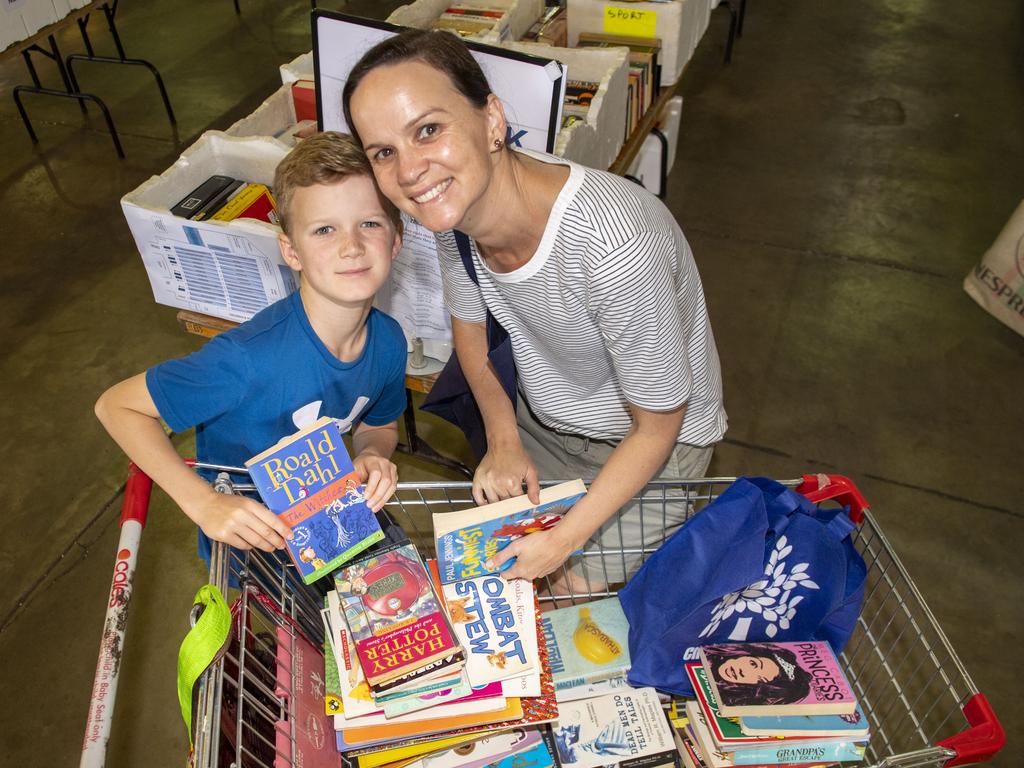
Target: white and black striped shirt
[(609, 309)]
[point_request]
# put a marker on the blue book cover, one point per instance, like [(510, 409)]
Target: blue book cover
[(461, 553), (854, 726), (587, 643), (309, 482)]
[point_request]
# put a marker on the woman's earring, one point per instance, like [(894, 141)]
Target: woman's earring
[(498, 143)]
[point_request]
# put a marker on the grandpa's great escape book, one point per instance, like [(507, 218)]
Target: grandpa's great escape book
[(308, 481)]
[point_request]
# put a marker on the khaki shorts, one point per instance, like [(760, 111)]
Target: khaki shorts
[(617, 549)]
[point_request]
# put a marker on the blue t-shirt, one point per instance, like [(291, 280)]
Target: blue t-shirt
[(271, 376)]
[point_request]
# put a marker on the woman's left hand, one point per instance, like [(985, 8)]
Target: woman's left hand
[(537, 554)]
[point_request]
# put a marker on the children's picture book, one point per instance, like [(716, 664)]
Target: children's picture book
[(394, 615), (610, 729), (796, 678), (308, 481), (587, 643), (493, 620), (467, 539), (300, 682)]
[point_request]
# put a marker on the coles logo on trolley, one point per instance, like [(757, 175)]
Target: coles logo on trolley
[(120, 585)]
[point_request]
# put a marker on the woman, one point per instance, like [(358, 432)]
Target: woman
[(590, 275), (757, 673)]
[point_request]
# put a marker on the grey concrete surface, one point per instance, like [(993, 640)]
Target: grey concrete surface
[(836, 182)]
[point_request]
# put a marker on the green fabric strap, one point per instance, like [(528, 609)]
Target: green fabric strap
[(201, 646)]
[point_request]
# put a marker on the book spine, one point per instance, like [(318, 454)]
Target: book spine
[(838, 751), (593, 677)]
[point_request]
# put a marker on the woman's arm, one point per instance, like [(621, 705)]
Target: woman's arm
[(631, 465), (505, 467)]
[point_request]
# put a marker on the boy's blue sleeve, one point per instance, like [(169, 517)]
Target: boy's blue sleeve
[(391, 402), (196, 389)]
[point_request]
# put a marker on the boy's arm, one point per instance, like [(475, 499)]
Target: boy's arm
[(128, 413), (373, 446)]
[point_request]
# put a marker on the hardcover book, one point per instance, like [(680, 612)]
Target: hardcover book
[(309, 482), (304, 739), (467, 539), (485, 751), (587, 643), (611, 729), (493, 619), (777, 679), (394, 615)]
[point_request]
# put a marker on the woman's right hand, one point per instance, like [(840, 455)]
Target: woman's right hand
[(503, 472)]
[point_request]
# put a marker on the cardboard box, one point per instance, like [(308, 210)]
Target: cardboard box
[(521, 15), (299, 68), (598, 139), (12, 28), (230, 270), (680, 24)]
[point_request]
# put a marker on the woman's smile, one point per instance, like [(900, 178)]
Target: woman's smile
[(433, 192)]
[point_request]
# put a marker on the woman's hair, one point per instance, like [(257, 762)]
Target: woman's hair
[(439, 49), (792, 684), (324, 158)]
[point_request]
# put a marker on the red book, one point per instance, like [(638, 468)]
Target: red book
[(304, 96)]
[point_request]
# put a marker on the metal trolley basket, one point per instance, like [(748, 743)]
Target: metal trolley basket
[(923, 707)]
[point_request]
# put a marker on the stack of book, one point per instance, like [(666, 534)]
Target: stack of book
[(578, 96), (469, 21), (769, 704), (222, 198), (644, 70)]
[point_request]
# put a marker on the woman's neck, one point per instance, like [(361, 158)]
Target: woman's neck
[(509, 221)]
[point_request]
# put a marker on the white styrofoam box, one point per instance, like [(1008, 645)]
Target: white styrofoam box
[(63, 7), (225, 269), (270, 118), (679, 24), (646, 168), (521, 15), (299, 68), (37, 14), (597, 140), (12, 27)]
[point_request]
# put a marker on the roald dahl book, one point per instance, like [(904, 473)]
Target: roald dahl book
[(309, 482)]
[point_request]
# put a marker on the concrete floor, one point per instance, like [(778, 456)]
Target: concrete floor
[(836, 182)]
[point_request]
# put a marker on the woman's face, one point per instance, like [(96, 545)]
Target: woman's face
[(430, 148), (749, 670)]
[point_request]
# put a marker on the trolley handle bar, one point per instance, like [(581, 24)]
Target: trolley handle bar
[(982, 740), (820, 488), (137, 490)]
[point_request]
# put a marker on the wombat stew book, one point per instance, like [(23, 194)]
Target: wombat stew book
[(308, 481)]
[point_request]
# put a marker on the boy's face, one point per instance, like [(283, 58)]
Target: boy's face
[(342, 242)]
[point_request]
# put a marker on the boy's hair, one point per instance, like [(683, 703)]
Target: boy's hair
[(324, 158)]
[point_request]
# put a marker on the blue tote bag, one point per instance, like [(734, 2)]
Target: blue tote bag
[(759, 563)]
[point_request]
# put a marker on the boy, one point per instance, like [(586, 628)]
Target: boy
[(321, 351)]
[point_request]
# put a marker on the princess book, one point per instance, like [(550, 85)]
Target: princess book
[(802, 678), (395, 617), (309, 482)]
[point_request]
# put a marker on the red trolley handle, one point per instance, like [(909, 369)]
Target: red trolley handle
[(137, 491), (982, 740), (820, 488)]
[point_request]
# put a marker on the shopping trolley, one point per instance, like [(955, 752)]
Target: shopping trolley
[(923, 707)]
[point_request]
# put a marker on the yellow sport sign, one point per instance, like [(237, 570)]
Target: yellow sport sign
[(629, 21)]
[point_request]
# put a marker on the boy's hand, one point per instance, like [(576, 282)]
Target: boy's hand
[(380, 477), (241, 522)]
